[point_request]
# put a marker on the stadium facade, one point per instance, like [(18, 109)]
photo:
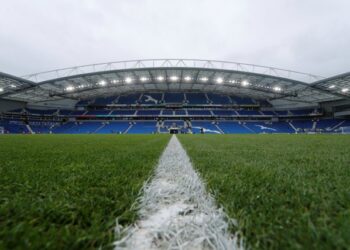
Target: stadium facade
[(174, 96)]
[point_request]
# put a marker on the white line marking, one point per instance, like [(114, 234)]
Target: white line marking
[(176, 212)]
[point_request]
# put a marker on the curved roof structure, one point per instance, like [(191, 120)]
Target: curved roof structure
[(156, 75)]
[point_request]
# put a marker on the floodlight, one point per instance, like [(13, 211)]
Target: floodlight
[(345, 90), (102, 83), (160, 78), (13, 86), (219, 80), (143, 79), (128, 80), (245, 83), (70, 88), (332, 86), (174, 78), (204, 79), (114, 81), (188, 78), (1, 89), (277, 89)]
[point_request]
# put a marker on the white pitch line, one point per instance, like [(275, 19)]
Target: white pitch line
[(176, 212)]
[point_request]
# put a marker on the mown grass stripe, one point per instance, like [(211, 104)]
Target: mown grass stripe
[(65, 191), (286, 191)]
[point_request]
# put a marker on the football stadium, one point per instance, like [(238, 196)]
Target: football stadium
[(174, 154), (174, 96)]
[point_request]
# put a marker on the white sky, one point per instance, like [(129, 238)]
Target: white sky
[(306, 35)]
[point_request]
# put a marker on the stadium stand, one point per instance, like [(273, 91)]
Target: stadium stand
[(219, 99), (113, 128), (270, 113), (14, 127), (222, 120), (143, 127), (83, 103), (269, 128), (166, 125), (151, 98), (303, 125), (123, 112), (196, 98), (205, 127), (210, 113), (128, 99), (167, 112), (248, 112), (213, 95), (103, 101), (98, 112), (233, 127), (242, 100), (302, 112), (77, 112), (84, 128), (41, 127), (180, 112), (225, 112), (41, 111), (198, 112), (148, 112), (64, 112), (174, 98)]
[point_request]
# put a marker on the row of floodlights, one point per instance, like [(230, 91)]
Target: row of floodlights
[(174, 78), (344, 90), (11, 86)]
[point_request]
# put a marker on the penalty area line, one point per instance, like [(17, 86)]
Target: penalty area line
[(176, 212)]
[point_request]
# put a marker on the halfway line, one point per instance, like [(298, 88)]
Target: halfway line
[(175, 210)]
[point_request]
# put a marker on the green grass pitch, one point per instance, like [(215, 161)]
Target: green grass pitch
[(66, 191), (287, 191)]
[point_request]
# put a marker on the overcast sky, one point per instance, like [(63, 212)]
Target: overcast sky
[(306, 35)]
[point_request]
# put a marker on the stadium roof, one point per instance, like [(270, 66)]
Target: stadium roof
[(156, 75)]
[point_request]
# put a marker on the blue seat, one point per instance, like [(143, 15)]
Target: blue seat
[(143, 128), (123, 112), (113, 128), (198, 112), (103, 101), (231, 127), (151, 98), (148, 112), (128, 99), (196, 98), (219, 99), (248, 112), (207, 127), (173, 97), (167, 112), (180, 112), (98, 112)]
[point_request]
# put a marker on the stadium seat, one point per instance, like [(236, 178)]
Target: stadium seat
[(219, 99), (174, 98), (206, 127), (198, 112), (143, 127), (229, 127), (196, 98)]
